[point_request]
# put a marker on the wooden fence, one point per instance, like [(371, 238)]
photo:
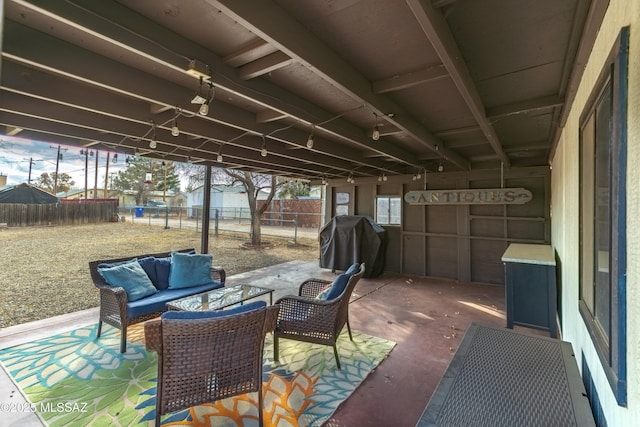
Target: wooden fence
[(306, 212), (21, 215)]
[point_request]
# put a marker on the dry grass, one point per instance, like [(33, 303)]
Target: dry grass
[(44, 271)]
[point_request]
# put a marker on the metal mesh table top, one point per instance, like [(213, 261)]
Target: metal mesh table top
[(499, 377)]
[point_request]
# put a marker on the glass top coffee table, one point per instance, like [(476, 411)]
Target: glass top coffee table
[(220, 298)]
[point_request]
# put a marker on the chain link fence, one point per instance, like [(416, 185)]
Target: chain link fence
[(236, 220)]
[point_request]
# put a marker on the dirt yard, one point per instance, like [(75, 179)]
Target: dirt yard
[(44, 270)]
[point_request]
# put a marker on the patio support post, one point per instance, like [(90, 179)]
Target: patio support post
[(206, 212)]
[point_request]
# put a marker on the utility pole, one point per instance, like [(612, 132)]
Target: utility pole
[(55, 180), (86, 171), (106, 176), (30, 164), (95, 183)]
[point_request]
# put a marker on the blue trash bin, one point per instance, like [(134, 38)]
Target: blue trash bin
[(139, 212)]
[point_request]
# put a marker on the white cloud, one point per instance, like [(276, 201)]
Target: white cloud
[(17, 153)]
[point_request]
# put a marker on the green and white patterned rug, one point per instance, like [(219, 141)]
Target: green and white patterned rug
[(72, 379)]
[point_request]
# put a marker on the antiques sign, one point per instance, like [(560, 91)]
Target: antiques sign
[(491, 196)]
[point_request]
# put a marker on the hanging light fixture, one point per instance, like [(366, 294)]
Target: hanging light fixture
[(115, 158), (375, 135), (153, 143), (263, 150), (310, 141), (175, 130), (203, 96), (219, 156)]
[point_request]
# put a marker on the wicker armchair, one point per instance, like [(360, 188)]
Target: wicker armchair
[(113, 300), (306, 318), (205, 359)]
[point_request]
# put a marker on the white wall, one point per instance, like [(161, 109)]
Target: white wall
[(565, 215)]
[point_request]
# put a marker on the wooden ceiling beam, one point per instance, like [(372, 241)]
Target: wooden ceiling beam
[(271, 23), (437, 31), (406, 81)]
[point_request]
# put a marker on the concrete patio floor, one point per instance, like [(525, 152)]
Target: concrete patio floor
[(426, 317)]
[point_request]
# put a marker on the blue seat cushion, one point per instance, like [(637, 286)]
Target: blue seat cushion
[(157, 302), (337, 287), (213, 314), (131, 277), (188, 270)]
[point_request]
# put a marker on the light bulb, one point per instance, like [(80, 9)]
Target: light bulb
[(219, 158), (376, 133), (153, 144), (380, 178), (310, 141), (384, 177), (204, 109), (418, 176), (175, 131), (263, 152), (440, 168)]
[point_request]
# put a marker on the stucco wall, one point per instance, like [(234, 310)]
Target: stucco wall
[(565, 215)]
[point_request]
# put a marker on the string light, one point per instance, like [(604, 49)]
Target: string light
[(376, 133), (153, 143), (175, 130), (263, 150)]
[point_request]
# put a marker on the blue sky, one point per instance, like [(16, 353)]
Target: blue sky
[(15, 154)]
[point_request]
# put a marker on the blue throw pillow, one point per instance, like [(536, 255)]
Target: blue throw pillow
[(131, 277), (163, 268), (171, 314), (113, 264), (148, 264), (353, 269), (336, 288), (189, 270)]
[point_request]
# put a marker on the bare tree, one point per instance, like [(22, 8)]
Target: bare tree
[(254, 183)]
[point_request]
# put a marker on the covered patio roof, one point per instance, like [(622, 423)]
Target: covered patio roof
[(379, 86)]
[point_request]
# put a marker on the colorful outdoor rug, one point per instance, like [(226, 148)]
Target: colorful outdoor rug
[(73, 379)]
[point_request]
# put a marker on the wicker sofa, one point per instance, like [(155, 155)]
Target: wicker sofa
[(117, 310)]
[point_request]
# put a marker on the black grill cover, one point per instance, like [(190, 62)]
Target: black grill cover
[(348, 239)]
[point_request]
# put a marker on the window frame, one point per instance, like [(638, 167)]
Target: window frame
[(389, 223), (610, 345)]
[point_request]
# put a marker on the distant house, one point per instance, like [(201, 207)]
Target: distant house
[(26, 194), (126, 198), (229, 201)]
